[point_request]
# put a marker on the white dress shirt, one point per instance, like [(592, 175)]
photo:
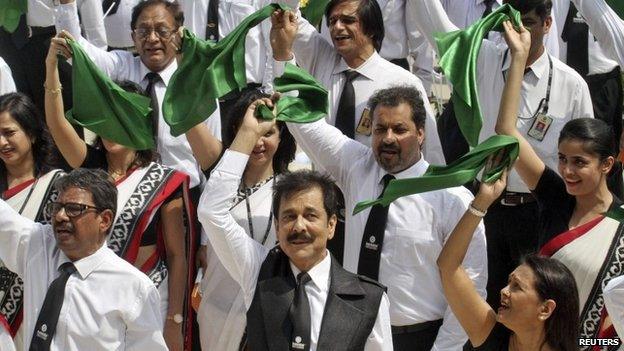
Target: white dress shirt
[(108, 304), (175, 152), (569, 95), (258, 53), (598, 62), (605, 25), (7, 85), (417, 227), (614, 302), (118, 32), (317, 56), (242, 256)]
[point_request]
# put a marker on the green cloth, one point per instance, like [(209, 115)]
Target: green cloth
[(310, 105), (617, 6), (207, 72), (460, 172), (10, 12), (458, 52), (314, 11), (104, 108)]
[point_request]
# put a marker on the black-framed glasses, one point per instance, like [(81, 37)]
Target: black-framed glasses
[(161, 32), (72, 209)]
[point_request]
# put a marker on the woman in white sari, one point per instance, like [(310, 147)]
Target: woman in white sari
[(27, 177), (221, 314)]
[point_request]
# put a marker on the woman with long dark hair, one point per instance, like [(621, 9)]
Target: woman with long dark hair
[(27, 176), (572, 226)]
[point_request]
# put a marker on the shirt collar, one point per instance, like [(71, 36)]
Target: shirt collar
[(319, 273), (165, 74), (369, 68), (539, 68), (416, 170), (86, 265)]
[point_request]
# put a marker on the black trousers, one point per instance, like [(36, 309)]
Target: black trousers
[(606, 94), (421, 340), (511, 232), (28, 67)]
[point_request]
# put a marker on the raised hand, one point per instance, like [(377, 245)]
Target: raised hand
[(59, 46), (283, 32), (518, 39)]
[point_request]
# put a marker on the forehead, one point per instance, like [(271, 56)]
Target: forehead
[(156, 14), (524, 274), (7, 120), (345, 8), (307, 199), (531, 17), (78, 195), (570, 147), (402, 113)]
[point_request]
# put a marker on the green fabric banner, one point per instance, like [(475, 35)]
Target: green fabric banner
[(617, 6), (460, 172), (313, 11), (207, 72), (104, 108), (458, 52), (310, 105), (10, 12)]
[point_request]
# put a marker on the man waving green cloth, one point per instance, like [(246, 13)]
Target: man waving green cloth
[(207, 72), (10, 12), (104, 108), (310, 105), (458, 52), (460, 172)]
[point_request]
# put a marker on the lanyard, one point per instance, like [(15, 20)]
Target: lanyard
[(249, 217), (544, 103)]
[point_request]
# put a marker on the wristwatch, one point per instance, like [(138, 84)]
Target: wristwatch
[(176, 318)]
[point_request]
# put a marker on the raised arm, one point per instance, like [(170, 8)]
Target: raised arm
[(471, 310), (430, 18), (605, 25), (73, 149), (529, 166), (206, 147), (92, 18), (16, 234)]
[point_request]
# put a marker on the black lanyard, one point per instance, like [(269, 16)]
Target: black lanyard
[(544, 103), (249, 217)]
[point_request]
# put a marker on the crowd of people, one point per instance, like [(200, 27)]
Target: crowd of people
[(210, 240)]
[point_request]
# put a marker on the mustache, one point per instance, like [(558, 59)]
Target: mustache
[(299, 237), (389, 147), (63, 226)]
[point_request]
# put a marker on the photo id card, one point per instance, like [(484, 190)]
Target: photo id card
[(540, 126), (366, 123)]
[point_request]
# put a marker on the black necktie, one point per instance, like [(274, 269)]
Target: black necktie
[(345, 115), (107, 4), (372, 240), (212, 21), (152, 79), (22, 33), (576, 34), (49, 314), (488, 7), (299, 313)]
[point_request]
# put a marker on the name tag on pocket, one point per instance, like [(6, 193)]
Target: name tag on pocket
[(540, 127)]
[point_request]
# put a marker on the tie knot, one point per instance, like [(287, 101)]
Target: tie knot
[(153, 77), (351, 75), (303, 278), (67, 268), (386, 179)]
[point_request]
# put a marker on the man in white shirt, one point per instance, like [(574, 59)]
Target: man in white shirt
[(551, 91), (614, 302), (105, 303), (6, 79), (406, 248), (117, 23), (25, 49), (156, 35), (297, 296)]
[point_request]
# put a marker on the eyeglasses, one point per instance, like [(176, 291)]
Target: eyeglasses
[(72, 209), (161, 32)]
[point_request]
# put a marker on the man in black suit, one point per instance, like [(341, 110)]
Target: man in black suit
[(296, 295)]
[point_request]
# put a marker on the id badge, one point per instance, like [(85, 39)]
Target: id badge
[(365, 125), (540, 126)]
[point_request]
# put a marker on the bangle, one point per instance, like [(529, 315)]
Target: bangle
[(475, 211), (52, 91)]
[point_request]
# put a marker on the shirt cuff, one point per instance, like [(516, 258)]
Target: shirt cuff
[(232, 162), (280, 66), (67, 19)]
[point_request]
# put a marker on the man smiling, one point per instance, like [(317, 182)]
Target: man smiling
[(79, 295), (297, 296)]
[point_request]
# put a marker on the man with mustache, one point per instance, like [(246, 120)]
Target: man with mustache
[(297, 296), (399, 244), (79, 295)]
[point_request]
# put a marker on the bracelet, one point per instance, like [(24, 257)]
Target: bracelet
[(52, 91), (475, 211)]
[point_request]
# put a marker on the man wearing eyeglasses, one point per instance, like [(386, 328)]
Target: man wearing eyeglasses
[(79, 295)]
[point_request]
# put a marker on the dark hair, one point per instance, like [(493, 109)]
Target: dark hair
[(287, 148), (297, 181), (396, 95), (96, 181), (371, 19), (26, 114), (596, 136), (171, 6), (542, 7), (553, 280)]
